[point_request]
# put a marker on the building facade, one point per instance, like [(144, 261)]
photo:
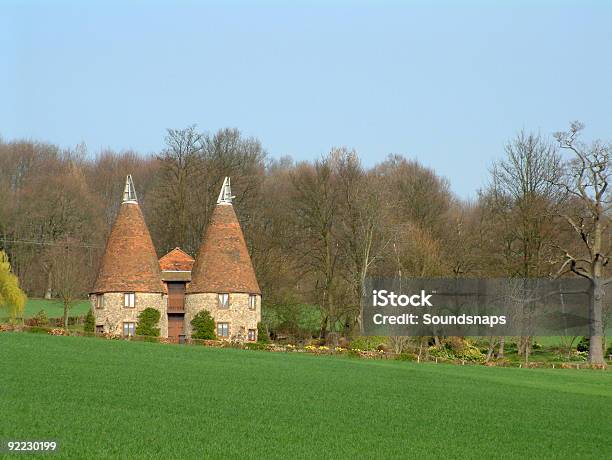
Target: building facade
[(220, 279)]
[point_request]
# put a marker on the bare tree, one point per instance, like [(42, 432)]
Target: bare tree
[(585, 185), (70, 281), (177, 187), (362, 232), (315, 205), (522, 198)]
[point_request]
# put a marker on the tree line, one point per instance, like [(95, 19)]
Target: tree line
[(317, 229)]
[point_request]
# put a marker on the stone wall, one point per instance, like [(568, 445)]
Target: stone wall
[(239, 316), (114, 314)]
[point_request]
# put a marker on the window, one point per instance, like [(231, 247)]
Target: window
[(129, 329), (129, 299), (223, 300), (252, 301), (252, 335), (99, 301), (222, 329), (99, 329)]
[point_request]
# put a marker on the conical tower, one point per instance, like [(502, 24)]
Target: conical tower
[(129, 279), (223, 280)]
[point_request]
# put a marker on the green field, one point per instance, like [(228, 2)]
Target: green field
[(54, 308), (135, 400)]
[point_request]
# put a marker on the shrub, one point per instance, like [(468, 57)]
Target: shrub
[(584, 344), (471, 353), (41, 319), (609, 351), (293, 319), (442, 352), (203, 326), (147, 322), (398, 344), (262, 333), (461, 348), (368, 343), (90, 322), (580, 356)]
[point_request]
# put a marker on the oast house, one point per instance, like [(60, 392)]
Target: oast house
[(221, 279)]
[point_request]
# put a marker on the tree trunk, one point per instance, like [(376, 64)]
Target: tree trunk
[(49, 290), (491, 349), (421, 340), (323, 329), (66, 310), (596, 330), (596, 355), (502, 342), (520, 346)]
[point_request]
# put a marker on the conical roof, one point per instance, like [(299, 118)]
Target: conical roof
[(129, 263), (223, 263)]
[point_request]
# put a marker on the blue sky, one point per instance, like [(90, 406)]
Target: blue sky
[(446, 83)]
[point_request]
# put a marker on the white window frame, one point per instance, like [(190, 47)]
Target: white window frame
[(131, 328), (223, 300), (223, 325), (252, 301), (252, 335), (100, 301), (129, 300)]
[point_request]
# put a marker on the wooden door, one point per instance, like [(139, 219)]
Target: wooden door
[(175, 326)]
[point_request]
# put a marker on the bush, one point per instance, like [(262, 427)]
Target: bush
[(41, 319), (442, 352), (609, 351), (147, 322), (584, 344), (90, 322), (462, 349), (368, 343), (471, 353), (293, 319), (203, 326), (262, 333)]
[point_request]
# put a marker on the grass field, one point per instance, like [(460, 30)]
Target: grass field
[(133, 400), (54, 308)]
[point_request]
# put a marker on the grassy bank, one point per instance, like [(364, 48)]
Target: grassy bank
[(54, 308), (164, 401)]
